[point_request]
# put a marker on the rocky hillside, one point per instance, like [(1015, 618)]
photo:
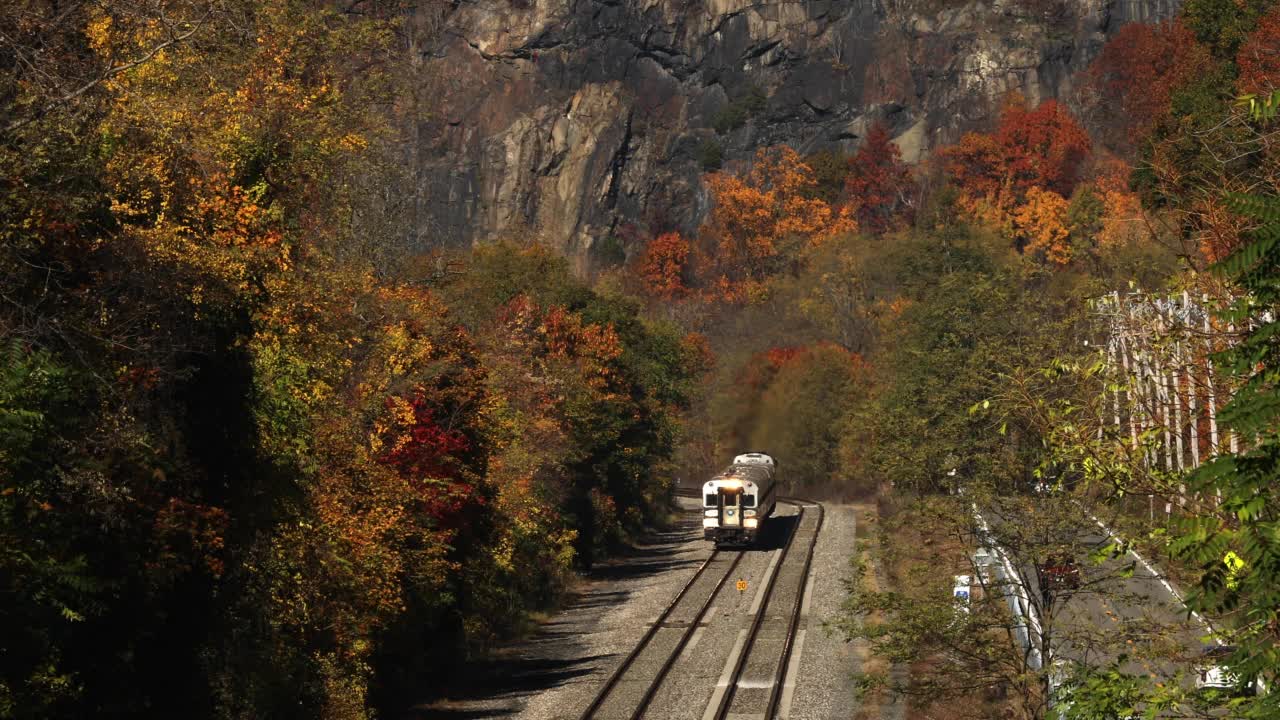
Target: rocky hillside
[(575, 119)]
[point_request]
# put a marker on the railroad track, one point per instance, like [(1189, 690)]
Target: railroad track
[(762, 636), (770, 640), (687, 492), (726, 562)]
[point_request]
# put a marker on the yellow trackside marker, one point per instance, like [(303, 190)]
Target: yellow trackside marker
[(742, 585)]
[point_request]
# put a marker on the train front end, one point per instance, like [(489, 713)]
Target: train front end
[(730, 511)]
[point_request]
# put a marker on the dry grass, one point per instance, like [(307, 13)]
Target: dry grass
[(875, 704)]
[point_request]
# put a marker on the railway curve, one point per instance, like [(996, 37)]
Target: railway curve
[(756, 677)]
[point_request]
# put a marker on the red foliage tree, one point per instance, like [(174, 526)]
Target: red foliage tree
[(1043, 148), (879, 184), (427, 450), (780, 356), (1135, 74), (428, 455), (1259, 57)]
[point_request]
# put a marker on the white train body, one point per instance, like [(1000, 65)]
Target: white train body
[(737, 501)]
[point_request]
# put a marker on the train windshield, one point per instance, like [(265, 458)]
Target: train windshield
[(749, 501), (709, 500)]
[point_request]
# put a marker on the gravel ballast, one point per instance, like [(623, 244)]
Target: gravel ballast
[(824, 684), (556, 673)]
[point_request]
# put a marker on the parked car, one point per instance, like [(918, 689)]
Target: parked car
[(1213, 674), (1060, 572)]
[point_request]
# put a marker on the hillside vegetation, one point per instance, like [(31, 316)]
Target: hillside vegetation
[(251, 465), (265, 451)]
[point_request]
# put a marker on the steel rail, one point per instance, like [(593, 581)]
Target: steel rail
[(726, 700), (627, 662), (775, 693), (652, 691)]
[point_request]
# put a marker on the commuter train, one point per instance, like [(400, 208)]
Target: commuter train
[(738, 500)]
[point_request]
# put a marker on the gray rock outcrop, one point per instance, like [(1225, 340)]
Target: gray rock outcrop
[(570, 120)]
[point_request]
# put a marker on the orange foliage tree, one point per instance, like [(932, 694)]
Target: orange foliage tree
[(760, 221), (1123, 219), (1041, 226), (1018, 178), (662, 266)]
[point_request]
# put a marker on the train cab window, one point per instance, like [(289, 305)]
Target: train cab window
[(709, 500), (748, 501)]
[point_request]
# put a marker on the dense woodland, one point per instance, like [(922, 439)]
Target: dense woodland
[(261, 455)]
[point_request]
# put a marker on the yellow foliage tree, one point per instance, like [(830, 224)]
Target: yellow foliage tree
[(1124, 220), (1040, 223)]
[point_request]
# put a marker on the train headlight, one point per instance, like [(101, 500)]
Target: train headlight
[(750, 522), (710, 513)]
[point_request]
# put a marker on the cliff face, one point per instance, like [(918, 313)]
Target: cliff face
[(570, 119)]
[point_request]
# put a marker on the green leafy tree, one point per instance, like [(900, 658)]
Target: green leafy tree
[(1222, 25), (969, 315), (1236, 550), (799, 419)]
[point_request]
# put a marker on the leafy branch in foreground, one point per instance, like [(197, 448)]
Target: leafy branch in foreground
[(1237, 550)]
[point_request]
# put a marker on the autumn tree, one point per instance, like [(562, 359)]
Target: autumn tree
[(1259, 57), (1041, 226), (662, 266), (879, 185), (241, 472), (1123, 218), (759, 222), (1044, 147), (200, 136), (1017, 178), (1135, 75), (613, 383), (1200, 144)]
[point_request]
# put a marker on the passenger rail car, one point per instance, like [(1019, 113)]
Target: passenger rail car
[(738, 500)]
